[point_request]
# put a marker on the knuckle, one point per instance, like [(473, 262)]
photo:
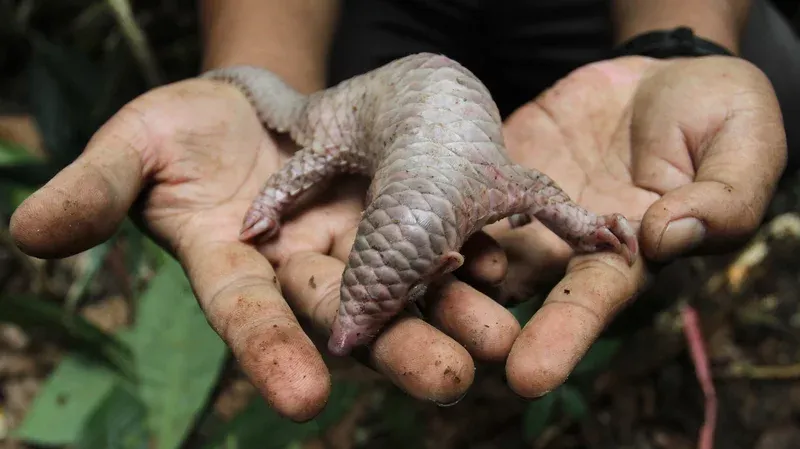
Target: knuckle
[(128, 131), (266, 330), (327, 300), (320, 297), (236, 309), (602, 286), (485, 328)]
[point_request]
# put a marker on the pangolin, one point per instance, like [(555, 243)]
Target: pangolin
[(428, 133)]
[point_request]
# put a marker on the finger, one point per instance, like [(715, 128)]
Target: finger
[(485, 328), (85, 203), (484, 260), (238, 291), (415, 356), (574, 314), (739, 151)]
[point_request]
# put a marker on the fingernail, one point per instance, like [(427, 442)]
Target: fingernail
[(681, 235), (539, 396), (450, 404)]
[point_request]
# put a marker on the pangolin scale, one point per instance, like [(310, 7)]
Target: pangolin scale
[(429, 135)]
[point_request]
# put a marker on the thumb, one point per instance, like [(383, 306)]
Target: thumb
[(86, 202), (738, 151)]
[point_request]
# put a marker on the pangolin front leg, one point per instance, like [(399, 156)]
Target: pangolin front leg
[(307, 168), (312, 123)]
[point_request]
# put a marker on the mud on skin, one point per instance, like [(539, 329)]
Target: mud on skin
[(429, 135)]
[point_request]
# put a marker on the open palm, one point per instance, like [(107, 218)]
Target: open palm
[(691, 163), (187, 159)]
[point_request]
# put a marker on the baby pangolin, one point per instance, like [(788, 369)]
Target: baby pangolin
[(429, 135)]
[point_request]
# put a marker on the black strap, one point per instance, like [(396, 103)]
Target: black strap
[(664, 44)]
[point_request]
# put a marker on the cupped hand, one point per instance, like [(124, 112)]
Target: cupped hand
[(187, 159), (689, 150)]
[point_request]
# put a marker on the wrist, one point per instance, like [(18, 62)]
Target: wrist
[(300, 70), (717, 21), (289, 38), (675, 43)]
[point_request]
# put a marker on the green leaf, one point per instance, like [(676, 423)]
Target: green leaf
[(260, 426), (573, 402), (12, 153), (536, 416), (524, 311), (19, 167), (120, 422), (598, 356), (179, 357), (19, 194), (67, 400), (154, 253), (12, 195), (74, 331), (96, 256)]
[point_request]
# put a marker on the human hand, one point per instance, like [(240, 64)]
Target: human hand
[(187, 159), (689, 150)]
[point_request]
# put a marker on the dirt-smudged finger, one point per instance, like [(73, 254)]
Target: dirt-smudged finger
[(238, 292), (572, 317), (85, 203), (483, 326), (417, 357)]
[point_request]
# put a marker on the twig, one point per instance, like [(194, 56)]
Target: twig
[(136, 39), (694, 338), (744, 370)]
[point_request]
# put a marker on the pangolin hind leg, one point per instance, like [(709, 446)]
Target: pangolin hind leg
[(583, 230)]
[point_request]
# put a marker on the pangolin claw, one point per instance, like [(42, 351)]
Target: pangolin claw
[(618, 233), (257, 223)]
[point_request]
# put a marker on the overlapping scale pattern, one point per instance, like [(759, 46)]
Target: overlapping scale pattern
[(428, 133)]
